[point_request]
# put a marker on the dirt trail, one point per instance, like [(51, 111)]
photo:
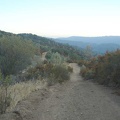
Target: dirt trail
[(43, 56), (74, 100)]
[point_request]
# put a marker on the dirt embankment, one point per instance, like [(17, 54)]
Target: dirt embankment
[(74, 100)]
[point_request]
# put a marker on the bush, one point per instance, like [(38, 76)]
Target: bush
[(81, 62), (70, 69), (87, 73), (60, 74), (5, 98), (53, 73), (15, 54), (104, 69), (48, 55)]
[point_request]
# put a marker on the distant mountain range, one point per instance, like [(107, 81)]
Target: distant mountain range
[(98, 44)]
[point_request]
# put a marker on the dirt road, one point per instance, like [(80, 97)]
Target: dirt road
[(74, 100)]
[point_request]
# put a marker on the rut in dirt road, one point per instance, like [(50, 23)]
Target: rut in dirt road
[(74, 100)]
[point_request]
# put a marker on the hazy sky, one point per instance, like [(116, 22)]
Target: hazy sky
[(55, 18)]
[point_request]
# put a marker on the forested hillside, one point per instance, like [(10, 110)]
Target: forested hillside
[(16, 51), (46, 44)]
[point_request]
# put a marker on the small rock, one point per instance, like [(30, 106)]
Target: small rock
[(57, 96)]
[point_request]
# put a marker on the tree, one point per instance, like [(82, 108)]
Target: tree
[(4, 96), (15, 54), (56, 59), (88, 52)]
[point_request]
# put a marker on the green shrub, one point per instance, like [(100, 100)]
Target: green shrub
[(53, 73), (60, 74), (81, 62), (89, 74), (48, 55), (5, 98), (70, 69), (15, 54)]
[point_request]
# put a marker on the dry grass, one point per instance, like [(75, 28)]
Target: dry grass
[(21, 90)]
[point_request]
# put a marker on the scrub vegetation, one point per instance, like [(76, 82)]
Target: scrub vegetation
[(29, 62), (22, 69), (103, 69)]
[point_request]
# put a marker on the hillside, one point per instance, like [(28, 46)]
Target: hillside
[(23, 94), (18, 52), (56, 64), (48, 44), (97, 40), (98, 44)]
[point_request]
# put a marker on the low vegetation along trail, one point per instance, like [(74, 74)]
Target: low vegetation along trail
[(74, 100)]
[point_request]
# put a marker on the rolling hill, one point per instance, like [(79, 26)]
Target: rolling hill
[(98, 44)]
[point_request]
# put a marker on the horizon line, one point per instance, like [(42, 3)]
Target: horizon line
[(64, 36)]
